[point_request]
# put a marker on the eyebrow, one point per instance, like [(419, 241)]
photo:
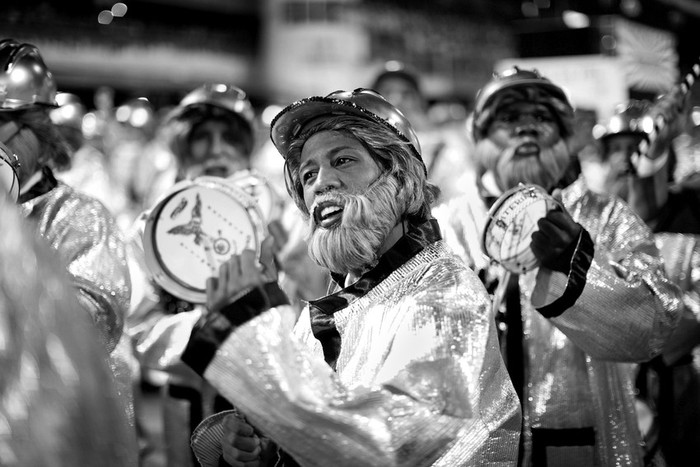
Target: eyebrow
[(331, 153)]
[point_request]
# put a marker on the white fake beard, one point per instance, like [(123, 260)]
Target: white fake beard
[(544, 170), (367, 219)]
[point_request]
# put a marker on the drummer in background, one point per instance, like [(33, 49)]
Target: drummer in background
[(669, 385), (78, 227), (210, 133), (599, 296), (400, 364)]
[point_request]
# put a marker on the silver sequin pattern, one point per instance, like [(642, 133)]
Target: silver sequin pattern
[(59, 405), (91, 246), (419, 380), (574, 369)]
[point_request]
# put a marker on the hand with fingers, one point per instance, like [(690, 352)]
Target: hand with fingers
[(241, 446), (241, 274), (554, 244)]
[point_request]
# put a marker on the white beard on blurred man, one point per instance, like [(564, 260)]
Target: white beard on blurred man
[(353, 243), (524, 162)]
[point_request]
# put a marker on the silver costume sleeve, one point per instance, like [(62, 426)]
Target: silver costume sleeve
[(681, 254), (628, 306), (91, 245), (429, 387)]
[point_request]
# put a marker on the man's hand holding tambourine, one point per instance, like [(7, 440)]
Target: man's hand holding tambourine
[(554, 244), (242, 274)]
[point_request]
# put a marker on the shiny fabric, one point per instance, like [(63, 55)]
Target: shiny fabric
[(91, 246), (574, 375), (679, 383), (419, 378), (58, 401)]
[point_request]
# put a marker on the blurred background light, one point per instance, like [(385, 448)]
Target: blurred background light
[(575, 20), (105, 17), (119, 9), (269, 113)]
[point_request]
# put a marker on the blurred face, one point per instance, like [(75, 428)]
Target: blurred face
[(23, 143), (214, 150), (352, 205), (523, 144), (610, 172), (403, 95)]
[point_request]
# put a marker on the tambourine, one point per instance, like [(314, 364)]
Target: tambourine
[(193, 228), (9, 180), (511, 222), (259, 187)]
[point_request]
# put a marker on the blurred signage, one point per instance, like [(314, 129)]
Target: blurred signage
[(593, 82), (648, 56)]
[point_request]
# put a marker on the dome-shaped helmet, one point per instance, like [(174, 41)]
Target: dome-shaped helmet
[(25, 80), (629, 118), (70, 111), (365, 103), (399, 70), (533, 86), (219, 95)]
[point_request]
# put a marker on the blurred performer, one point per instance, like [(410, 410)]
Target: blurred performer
[(447, 152), (87, 171), (77, 226), (128, 141), (210, 133), (599, 295), (59, 404), (647, 187), (687, 150), (670, 383), (400, 364)]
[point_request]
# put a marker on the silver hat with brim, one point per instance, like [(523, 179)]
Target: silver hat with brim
[(362, 102)]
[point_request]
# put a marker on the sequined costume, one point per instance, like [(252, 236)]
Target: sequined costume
[(418, 377), (673, 388), (576, 388), (59, 406), (91, 246)]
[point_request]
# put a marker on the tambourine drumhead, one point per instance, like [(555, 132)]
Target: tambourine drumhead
[(511, 222), (197, 225), (259, 187), (9, 180)]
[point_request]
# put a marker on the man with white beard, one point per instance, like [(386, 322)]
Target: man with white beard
[(400, 364), (597, 297)]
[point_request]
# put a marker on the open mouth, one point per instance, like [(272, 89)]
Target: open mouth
[(328, 214), (527, 149), (217, 170)]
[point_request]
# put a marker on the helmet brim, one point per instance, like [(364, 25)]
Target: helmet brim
[(290, 122), (499, 87)]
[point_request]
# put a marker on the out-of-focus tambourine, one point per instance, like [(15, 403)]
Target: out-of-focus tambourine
[(193, 228), (511, 222), (259, 187), (9, 179)]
